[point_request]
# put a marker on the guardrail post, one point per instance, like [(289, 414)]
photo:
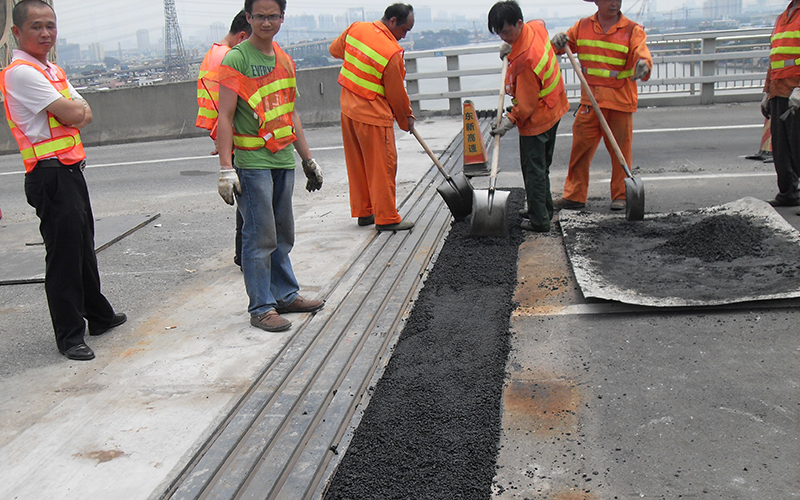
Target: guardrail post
[(709, 68), (454, 85), (412, 86)]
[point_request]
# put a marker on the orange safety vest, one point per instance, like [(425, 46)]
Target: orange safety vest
[(784, 53), (542, 58), (367, 52), (272, 99), (605, 57), (65, 141), (208, 87)]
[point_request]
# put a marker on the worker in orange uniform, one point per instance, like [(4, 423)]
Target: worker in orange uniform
[(373, 97), (613, 54), (539, 101), (781, 100), (208, 96)]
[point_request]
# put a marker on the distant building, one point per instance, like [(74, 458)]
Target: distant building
[(96, 52), (722, 9), (326, 22), (355, 14), (68, 53), (218, 31), (143, 40)]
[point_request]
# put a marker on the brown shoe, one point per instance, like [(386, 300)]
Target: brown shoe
[(301, 305), (618, 204), (270, 321), (565, 203)]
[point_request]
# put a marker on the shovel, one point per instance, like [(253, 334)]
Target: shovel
[(490, 207), (456, 192), (634, 189)]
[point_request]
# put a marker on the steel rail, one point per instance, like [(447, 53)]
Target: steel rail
[(282, 439)]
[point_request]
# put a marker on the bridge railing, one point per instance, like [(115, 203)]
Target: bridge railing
[(688, 69)]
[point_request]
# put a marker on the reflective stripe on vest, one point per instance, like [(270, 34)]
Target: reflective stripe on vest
[(65, 142), (604, 60), (272, 99), (208, 87), (367, 51), (549, 61), (540, 57), (784, 53)]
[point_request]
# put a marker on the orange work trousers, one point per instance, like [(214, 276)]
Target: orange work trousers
[(586, 135), (371, 158)]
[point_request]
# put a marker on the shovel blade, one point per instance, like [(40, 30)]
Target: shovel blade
[(489, 213), (634, 199), (457, 194)]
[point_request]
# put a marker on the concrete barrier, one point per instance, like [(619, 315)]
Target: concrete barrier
[(169, 111)]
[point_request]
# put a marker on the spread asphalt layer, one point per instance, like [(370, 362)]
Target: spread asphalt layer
[(432, 427)]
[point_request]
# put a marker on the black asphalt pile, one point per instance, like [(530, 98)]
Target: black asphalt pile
[(432, 427), (718, 238), (692, 258)]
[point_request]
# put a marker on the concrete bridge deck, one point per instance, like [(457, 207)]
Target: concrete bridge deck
[(697, 403)]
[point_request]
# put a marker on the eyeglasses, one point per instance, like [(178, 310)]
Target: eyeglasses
[(272, 18)]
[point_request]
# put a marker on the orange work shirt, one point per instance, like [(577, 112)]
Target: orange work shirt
[(383, 110), (626, 98), (530, 114)]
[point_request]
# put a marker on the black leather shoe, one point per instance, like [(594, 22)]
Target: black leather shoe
[(366, 221), (119, 318), (80, 352), (784, 202)]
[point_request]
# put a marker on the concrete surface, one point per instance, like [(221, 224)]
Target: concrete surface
[(696, 403)]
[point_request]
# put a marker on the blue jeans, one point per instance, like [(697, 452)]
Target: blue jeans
[(267, 238)]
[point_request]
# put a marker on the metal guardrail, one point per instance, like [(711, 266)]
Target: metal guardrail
[(688, 69)]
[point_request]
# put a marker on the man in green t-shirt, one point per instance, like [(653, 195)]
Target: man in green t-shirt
[(256, 100)]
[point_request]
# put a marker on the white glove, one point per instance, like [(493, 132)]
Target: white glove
[(765, 105), (641, 71), (794, 99), (560, 41), (313, 174), (505, 126), (505, 49), (228, 183)]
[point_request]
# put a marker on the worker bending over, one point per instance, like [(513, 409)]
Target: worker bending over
[(539, 101)]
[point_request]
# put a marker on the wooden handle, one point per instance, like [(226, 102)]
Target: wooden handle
[(599, 113), (430, 153), (496, 148)]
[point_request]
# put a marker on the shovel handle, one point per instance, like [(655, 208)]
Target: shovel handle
[(598, 112), (430, 153), (496, 148)]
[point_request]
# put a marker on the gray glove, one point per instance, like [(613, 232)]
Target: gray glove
[(641, 71), (313, 174), (794, 99), (560, 41), (765, 105), (505, 49), (228, 183), (505, 126)]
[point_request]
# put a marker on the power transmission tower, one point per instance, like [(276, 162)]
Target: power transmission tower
[(176, 68)]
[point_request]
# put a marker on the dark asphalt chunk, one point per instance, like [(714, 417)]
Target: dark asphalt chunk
[(432, 428)]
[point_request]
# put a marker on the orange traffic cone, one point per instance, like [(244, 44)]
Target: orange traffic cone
[(475, 161), (765, 151)]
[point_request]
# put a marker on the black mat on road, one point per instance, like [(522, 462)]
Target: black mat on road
[(432, 427)]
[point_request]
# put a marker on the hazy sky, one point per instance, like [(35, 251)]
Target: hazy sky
[(106, 21)]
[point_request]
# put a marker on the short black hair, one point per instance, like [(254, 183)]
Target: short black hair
[(502, 13), (20, 13), (248, 5), (240, 24), (401, 11)]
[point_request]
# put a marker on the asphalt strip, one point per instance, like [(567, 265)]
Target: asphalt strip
[(432, 427)]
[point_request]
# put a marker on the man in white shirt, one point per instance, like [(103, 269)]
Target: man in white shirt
[(46, 113)]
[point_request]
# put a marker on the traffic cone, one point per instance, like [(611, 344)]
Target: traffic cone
[(475, 161), (765, 151)]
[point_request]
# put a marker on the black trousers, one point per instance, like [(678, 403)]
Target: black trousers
[(72, 281), (785, 149)]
